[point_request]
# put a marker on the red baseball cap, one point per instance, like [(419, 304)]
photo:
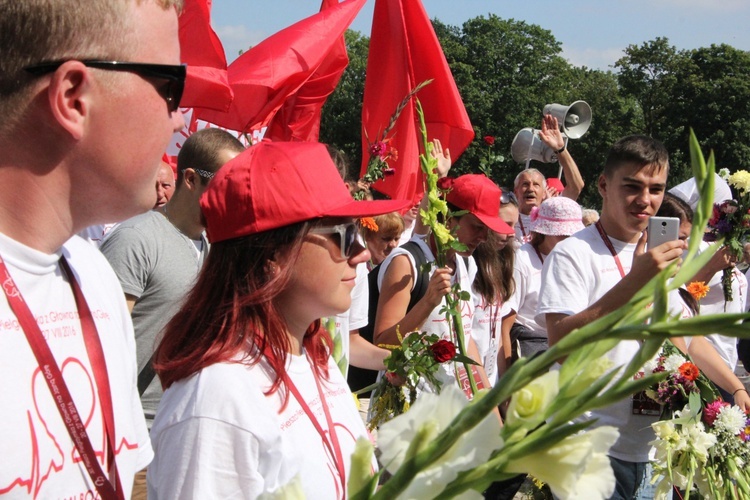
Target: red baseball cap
[(481, 197), (275, 184)]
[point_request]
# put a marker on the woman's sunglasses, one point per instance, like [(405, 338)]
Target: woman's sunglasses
[(508, 197), (347, 236), (174, 74)]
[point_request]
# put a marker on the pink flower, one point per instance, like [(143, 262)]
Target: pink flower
[(379, 148), (728, 207), (712, 410), (445, 184), (534, 215)]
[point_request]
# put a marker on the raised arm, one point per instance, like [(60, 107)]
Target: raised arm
[(552, 137)]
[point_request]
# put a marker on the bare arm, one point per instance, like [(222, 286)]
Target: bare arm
[(130, 301), (395, 294), (552, 137), (363, 354), (505, 352), (645, 266), (708, 360)]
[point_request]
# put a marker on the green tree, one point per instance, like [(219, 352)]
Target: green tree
[(341, 118)]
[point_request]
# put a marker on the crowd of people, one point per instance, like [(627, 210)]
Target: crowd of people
[(200, 348)]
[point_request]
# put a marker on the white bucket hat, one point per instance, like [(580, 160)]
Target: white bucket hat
[(558, 216)]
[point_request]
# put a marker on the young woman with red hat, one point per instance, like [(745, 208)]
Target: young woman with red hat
[(252, 397)]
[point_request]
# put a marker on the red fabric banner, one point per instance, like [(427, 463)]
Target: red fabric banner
[(404, 52), (265, 76), (207, 85), (298, 119)]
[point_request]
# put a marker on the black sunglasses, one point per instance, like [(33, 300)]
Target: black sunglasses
[(173, 73), (508, 197), (347, 236)]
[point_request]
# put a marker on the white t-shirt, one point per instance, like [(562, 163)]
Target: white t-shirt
[(217, 435), (435, 322), (487, 334), (39, 459), (577, 273), (527, 273), (356, 317), (713, 303)]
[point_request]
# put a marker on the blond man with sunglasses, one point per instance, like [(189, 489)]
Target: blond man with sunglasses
[(88, 94)]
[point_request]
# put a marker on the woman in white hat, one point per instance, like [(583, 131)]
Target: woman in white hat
[(553, 221)]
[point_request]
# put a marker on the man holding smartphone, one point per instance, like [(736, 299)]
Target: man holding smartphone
[(600, 268)]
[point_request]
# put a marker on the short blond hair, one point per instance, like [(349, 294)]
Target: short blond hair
[(35, 31)]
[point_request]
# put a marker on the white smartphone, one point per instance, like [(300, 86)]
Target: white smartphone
[(662, 229)]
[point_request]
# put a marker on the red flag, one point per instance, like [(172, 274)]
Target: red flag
[(266, 75), (404, 52), (299, 117), (207, 85)]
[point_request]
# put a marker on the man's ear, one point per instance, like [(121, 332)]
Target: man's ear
[(70, 97), (190, 178), (602, 185)]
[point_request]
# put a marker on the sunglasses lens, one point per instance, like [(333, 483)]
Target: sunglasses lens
[(349, 239), (176, 88)]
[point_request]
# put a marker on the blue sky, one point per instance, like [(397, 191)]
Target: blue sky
[(592, 32)]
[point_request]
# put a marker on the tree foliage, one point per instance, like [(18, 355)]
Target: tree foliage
[(507, 70)]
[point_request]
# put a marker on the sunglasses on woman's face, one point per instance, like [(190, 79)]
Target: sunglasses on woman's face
[(347, 236), (508, 197)]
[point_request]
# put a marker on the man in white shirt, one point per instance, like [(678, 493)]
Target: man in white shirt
[(89, 99), (600, 268)]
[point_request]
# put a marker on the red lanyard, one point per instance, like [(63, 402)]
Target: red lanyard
[(333, 443), (520, 224), (108, 489), (611, 248)]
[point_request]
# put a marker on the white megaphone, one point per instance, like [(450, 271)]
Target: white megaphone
[(574, 120), (528, 146)]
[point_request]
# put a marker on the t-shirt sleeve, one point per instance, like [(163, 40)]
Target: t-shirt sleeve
[(127, 251), (564, 288), (360, 300)]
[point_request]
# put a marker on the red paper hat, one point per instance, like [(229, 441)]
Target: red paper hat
[(481, 197), (275, 184)]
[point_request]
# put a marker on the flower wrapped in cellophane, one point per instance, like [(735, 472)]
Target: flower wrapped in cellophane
[(730, 222), (703, 448)]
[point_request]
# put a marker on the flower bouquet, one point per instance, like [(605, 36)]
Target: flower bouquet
[(683, 379), (708, 448), (730, 221), (412, 367)]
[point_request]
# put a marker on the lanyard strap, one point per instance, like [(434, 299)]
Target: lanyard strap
[(520, 224), (538, 254), (108, 489), (610, 247), (334, 448)]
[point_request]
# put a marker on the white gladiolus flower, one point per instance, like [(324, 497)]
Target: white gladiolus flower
[(699, 440), (576, 467), (527, 406), (431, 414)]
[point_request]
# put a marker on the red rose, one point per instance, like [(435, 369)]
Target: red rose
[(443, 350), (445, 183), (489, 140)]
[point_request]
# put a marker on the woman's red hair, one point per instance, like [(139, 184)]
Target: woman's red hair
[(231, 311)]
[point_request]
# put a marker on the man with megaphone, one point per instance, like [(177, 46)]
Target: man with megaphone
[(530, 186)]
